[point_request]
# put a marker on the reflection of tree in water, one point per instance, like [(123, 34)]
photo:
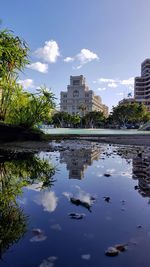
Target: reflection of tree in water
[(140, 167), (14, 175)]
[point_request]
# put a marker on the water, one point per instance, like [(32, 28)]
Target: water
[(93, 131), (36, 198)]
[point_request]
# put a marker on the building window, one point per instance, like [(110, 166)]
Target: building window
[(75, 93), (64, 95), (76, 82)]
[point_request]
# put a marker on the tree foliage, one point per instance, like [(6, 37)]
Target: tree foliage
[(129, 113), (94, 119), (13, 54), (28, 109)]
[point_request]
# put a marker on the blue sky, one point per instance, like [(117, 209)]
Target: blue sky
[(105, 40)]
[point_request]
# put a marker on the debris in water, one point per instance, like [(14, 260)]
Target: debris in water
[(79, 202), (111, 251), (107, 174), (107, 199), (77, 216)]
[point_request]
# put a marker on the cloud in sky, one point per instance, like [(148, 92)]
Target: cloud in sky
[(114, 83), (49, 52), (101, 89), (86, 56), (68, 59), (83, 57), (27, 83), (41, 67), (120, 94)]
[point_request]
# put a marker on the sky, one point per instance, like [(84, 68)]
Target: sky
[(104, 40)]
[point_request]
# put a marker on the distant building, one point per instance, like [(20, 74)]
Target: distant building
[(127, 101), (142, 85), (79, 99)]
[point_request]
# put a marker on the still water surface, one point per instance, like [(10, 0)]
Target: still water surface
[(36, 229)]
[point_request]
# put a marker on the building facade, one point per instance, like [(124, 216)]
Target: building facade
[(142, 85), (79, 99)]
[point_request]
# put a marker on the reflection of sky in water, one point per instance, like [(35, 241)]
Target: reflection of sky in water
[(67, 242)]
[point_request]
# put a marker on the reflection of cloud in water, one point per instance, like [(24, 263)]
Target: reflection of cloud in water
[(126, 174), (48, 200), (38, 235), (38, 238), (67, 195), (22, 201), (35, 187), (110, 171), (82, 195), (56, 227), (50, 262), (86, 256)]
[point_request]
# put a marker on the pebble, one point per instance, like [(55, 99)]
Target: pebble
[(111, 251), (77, 216)]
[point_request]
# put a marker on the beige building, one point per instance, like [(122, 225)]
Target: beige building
[(79, 99), (142, 85)]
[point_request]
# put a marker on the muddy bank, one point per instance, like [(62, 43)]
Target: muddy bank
[(59, 143)]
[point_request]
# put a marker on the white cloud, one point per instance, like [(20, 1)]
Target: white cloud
[(48, 200), (120, 94), (83, 57), (49, 52), (129, 81), (27, 83), (41, 67), (104, 80), (101, 89), (86, 56), (68, 59), (114, 83)]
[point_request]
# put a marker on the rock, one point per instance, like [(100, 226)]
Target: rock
[(121, 247), (77, 216), (79, 202), (136, 187), (107, 199), (37, 231), (111, 251), (107, 174)]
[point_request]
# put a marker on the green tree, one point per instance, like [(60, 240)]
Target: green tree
[(129, 113), (75, 120), (94, 119), (61, 119), (13, 58), (28, 109)]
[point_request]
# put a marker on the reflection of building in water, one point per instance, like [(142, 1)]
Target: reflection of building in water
[(140, 167), (78, 160), (141, 171)]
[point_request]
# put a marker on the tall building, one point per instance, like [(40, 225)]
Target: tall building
[(142, 85), (79, 99)]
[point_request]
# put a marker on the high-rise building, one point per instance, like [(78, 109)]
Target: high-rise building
[(142, 85), (79, 99)]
